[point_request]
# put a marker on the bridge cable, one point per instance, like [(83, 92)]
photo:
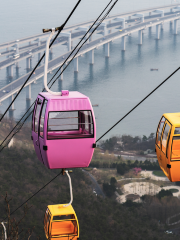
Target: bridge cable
[(59, 29), (139, 103), (60, 74)]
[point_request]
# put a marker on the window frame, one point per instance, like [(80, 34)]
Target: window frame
[(38, 117), (43, 103), (169, 133), (91, 136), (157, 132), (172, 146), (48, 217), (65, 234)]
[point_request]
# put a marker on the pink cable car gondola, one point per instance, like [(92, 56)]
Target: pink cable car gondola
[(63, 127)]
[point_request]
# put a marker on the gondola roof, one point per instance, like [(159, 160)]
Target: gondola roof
[(58, 209), (174, 118), (72, 94)]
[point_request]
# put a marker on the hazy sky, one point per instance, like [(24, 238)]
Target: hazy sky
[(23, 17)]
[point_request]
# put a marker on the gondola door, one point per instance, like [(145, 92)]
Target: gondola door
[(35, 126), (42, 135), (158, 140), (164, 148), (175, 156)]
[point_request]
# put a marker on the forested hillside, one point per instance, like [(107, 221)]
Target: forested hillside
[(22, 175)]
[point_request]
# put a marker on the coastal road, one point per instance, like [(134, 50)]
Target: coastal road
[(97, 187)]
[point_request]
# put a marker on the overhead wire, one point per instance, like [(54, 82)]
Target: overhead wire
[(34, 194), (59, 29), (85, 40), (60, 172), (139, 103), (101, 135), (101, 20)]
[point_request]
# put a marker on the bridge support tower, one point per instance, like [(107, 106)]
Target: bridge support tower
[(75, 64), (91, 56), (61, 72), (140, 37), (175, 26), (28, 92), (107, 49), (28, 63), (123, 43), (10, 71), (39, 56), (10, 100), (157, 31), (69, 42)]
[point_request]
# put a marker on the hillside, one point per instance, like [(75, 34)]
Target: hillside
[(22, 175)]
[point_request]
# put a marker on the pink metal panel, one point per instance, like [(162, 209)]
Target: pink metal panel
[(67, 153), (35, 135), (36, 145)]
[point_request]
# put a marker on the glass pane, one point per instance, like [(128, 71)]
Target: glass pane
[(42, 119), (48, 221), (165, 137), (36, 119), (63, 121), (175, 149), (64, 228), (159, 131), (72, 124), (63, 217), (177, 130)]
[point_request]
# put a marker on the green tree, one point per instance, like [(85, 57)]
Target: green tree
[(151, 136), (164, 193), (144, 139), (113, 181)]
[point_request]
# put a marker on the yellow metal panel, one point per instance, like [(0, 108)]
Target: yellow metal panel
[(58, 209), (174, 118)]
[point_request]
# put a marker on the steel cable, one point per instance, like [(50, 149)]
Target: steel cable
[(22, 125), (61, 72), (59, 31), (139, 103)]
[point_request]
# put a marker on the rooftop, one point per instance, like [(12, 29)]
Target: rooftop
[(174, 118), (74, 95), (58, 209)]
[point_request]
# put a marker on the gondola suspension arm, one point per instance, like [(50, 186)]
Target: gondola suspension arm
[(46, 64), (71, 193), (5, 234)]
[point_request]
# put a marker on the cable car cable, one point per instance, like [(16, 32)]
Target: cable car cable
[(59, 69), (34, 194), (55, 74), (47, 30), (59, 29), (84, 37), (139, 103), (126, 113), (84, 42), (105, 132), (23, 123)]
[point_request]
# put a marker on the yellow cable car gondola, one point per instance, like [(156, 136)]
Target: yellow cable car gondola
[(60, 221), (168, 145)]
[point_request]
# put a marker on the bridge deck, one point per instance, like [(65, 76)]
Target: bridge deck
[(61, 40), (73, 27), (13, 87)]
